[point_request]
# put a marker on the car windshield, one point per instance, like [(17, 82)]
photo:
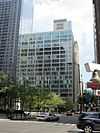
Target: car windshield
[(92, 116), (88, 115), (82, 115), (51, 114), (44, 113)]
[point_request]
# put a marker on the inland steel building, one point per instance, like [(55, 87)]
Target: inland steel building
[(51, 59)]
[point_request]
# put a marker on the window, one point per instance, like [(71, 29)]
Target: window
[(24, 43), (59, 26)]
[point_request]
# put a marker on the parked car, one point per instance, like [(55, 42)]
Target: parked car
[(31, 115), (47, 117), (18, 115), (69, 113), (89, 121)]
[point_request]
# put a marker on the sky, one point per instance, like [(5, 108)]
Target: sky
[(80, 12)]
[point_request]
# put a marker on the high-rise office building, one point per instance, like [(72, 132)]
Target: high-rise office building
[(47, 59), (96, 4), (10, 11)]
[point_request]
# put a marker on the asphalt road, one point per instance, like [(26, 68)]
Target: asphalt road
[(68, 119), (8, 126)]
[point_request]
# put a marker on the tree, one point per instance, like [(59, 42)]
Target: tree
[(3, 81), (7, 91), (23, 93), (68, 105), (94, 99), (54, 101), (39, 98)]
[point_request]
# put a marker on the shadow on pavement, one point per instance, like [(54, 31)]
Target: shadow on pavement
[(74, 132)]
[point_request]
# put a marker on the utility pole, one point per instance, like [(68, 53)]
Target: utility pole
[(81, 84)]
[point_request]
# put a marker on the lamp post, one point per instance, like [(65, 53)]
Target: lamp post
[(81, 104), (81, 85)]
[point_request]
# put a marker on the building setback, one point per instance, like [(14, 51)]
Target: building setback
[(46, 59), (97, 29), (10, 11)]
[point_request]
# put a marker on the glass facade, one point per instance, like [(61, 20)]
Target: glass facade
[(46, 59), (10, 11)]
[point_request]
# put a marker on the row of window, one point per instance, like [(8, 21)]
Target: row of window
[(47, 42)]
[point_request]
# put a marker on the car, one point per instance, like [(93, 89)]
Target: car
[(47, 117), (69, 113), (18, 115), (31, 115), (89, 121)]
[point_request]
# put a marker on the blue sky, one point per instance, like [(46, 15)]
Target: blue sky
[(80, 12)]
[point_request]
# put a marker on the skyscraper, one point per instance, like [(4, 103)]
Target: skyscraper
[(10, 11), (97, 30), (46, 59)]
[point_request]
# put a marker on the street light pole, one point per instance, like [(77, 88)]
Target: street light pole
[(81, 85), (81, 92)]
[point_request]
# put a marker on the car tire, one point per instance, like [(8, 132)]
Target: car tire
[(88, 129)]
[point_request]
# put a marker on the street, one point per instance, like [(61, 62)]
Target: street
[(68, 119), (8, 126)]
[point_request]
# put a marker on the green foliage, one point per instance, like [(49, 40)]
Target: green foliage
[(68, 105), (55, 100), (37, 98), (80, 100), (7, 91), (94, 100), (3, 81), (3, 76)]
